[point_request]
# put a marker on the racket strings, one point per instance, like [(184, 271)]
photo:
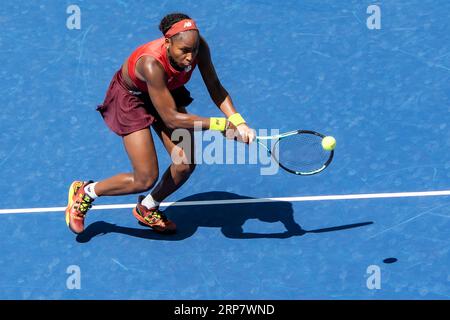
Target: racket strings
[(301, 152)]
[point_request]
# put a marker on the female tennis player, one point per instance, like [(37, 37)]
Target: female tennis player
[(148, 90)]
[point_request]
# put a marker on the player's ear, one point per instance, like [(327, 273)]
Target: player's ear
[(167, 43)]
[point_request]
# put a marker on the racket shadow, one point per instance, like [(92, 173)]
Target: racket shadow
[(230, 218)]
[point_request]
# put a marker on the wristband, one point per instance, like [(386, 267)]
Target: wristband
[(217, 124), (236, 119)]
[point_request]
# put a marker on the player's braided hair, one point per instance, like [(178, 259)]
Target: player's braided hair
[(171, 19)]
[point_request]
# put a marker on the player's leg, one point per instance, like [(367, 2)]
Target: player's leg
[(140, 148), (183, 162), (141, 151)]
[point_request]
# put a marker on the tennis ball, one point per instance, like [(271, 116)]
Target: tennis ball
[(329, 143)]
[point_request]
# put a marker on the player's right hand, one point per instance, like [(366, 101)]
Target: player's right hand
[(242, 133)]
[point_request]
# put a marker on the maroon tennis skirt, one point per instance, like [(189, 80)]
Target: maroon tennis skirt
[(126, 111)]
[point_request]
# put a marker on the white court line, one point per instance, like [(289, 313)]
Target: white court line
[(243, 201)]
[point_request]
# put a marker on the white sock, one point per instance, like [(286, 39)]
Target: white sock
[(149, 202), (90, 190)]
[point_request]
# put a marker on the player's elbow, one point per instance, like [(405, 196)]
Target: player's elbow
[(172, 125), (169, 122), (174, 121)]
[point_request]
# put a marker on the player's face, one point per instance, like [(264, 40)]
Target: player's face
[(183, 48)]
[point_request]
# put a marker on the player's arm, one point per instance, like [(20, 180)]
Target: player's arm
[(218, 93), (153, 73)]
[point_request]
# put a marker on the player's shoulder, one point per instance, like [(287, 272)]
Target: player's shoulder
[(203, 50), (203, 44), (150, 66), (149, 61)]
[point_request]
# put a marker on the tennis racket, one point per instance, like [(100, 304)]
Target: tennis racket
[(299, 152)]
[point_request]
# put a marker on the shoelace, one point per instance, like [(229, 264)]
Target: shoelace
[(156, 214), (84, 205)]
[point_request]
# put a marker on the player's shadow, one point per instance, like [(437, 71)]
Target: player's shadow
[(230, 218)]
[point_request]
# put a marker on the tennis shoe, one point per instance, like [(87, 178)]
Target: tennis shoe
[(78, 205), (153, 218)]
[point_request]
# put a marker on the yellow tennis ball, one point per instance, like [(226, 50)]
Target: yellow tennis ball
[(328, 143)]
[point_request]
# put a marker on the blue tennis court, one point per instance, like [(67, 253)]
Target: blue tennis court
[(383, 93)]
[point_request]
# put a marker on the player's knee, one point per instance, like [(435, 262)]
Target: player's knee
[(185, 169), (144, 182)]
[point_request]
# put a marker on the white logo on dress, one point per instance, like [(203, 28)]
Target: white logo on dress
[(187, 24), (170, 79)]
